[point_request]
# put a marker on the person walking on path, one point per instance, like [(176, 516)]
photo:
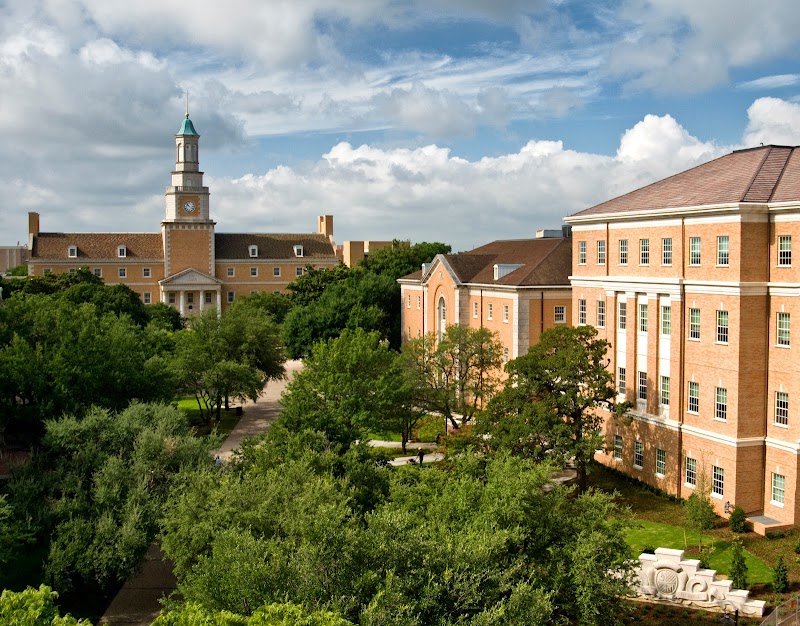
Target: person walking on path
[(420, 456)]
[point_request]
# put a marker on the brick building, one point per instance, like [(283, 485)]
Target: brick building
[(187, 265), (517, 288), (693, 282)]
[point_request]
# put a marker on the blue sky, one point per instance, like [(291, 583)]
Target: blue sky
[(453, 120)]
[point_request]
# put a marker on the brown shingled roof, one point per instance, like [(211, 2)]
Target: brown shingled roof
[(97, 245), (753, 175), (232, 246)]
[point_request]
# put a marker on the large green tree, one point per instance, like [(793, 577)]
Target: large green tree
[(556, 399), (401, 259), (456, 374)]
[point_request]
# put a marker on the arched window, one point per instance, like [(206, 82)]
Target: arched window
[(441, 316)]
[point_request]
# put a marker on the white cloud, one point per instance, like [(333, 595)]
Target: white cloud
[(771, 120), (771, 82)]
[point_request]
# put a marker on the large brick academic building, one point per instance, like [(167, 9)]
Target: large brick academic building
[(187, 264), (694, 282)]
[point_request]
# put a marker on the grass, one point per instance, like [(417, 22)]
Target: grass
[(227, 423), (428, 427)]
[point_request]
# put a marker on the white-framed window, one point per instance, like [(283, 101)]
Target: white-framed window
[(723, 250), (408, 301), (72, 252), (298, 271), (717, 480), (694, 323), (638, 454), (722, 327), (505, 314), (146, 272), (559, 314), (419, 303), (122, 272), (48, 270), (489, 311), (475, 310), (207, 296), (782, 408), (666, 320), (721, 404), (190, 297), (72, 270), (276, 272), (644, 252), (298, 250), (621, 380), (146, 297), (623, 251), (622, 315), (171, 297), (505, 355), (581, 311), (691, 471), (785, 251), (642, 318), (252, 251), (122, 251), (661, 461), (664, 387), (666, 251), (642, 391), (230, 297), (778, 488), (694, 397), (231, 272), (253, 272), (617, 448), (601, 252), (694, 250), (582, 253), (98, 271), (601, 314), (783, 329)]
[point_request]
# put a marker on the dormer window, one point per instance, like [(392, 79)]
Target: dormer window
[(72, 252), (504, 269), (122, 251), (298, 250), (253, 251)]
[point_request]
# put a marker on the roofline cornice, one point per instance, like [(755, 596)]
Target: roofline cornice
[(703, 209)]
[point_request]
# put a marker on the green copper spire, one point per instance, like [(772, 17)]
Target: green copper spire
[(187, 128)]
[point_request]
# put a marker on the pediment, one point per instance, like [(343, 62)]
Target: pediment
[(439, 263), (189, 277)]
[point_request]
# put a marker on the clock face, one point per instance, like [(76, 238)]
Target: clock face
[(188, 206)]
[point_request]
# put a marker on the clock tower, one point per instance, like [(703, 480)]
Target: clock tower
[(187, 229)]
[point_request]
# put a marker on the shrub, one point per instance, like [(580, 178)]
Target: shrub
[(738, 566), (648, 549), (797, 546), (738, 520), (780, 582)]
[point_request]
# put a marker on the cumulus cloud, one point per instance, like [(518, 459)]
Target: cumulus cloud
[(771, 120)]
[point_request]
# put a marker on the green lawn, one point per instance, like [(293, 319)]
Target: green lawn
[(227, 422), (664, 536)]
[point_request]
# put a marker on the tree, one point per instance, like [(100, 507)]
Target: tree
[(401, 259), (34, 607), (284, 614), (559, 395), (277, 305), (457, 374), (780, 579), (738, 572), (309, 287), (699, 509)]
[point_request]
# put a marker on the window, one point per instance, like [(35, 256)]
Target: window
[(72, 270), (171, 297), (666, 251), (642, 394), (581, 311), (98, 271), (230, 297), (638, 454), (694, 250), (717, 480), (691, 471), (253, 272), (778, 488), (231, 272), (723, 250), (622, 317), (694, 397), (298, 250), (621, 380), (664, 396), (721, 404), (582, 253), (408, 301), (784, 250), (419, 303), (617, 448), (601, 252), (190, 298), (276, 272), (783, 329), (122, 272), (47, 271), (122, 252), (408, 333), (559, 314), (146, 297), (298, 271), (72, 252), (642, 318), (505, 314), (490, 311), (661, 461), (253, 251), (146, 272), (644, 252), (694, 323), (722, 327), (782, 408), (666, 320), (623, 251), (207, 297), (475, 309), (505, 355), (601, 314)]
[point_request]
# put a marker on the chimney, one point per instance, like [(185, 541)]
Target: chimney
[(33, 228), (325, 225)]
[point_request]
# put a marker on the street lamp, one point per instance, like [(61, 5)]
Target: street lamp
[(728, 507)]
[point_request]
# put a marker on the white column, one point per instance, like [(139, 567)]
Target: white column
[(219, 300), (183, 303), (202, 300), (163, 296)]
